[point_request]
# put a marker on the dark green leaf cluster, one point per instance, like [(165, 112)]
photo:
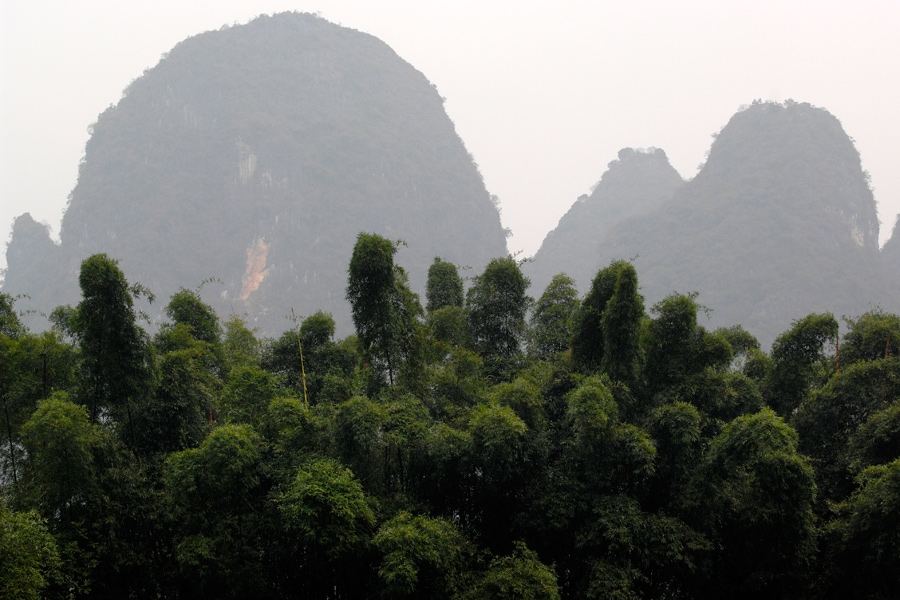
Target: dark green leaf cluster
[(444, 287), (497, 305), (664, 461), (551, 319)]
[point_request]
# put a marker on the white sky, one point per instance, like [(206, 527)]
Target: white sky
[(544, 94)]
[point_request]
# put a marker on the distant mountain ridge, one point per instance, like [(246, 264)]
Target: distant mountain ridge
[(634, 184), (780, 222), (254, 155)]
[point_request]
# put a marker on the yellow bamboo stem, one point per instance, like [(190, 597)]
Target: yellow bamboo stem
[(300, 347)]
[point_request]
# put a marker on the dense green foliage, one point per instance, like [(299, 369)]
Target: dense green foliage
[(466, 455), (28, 555), (552, 318), (487, 447), (384, 309), (444, 287), (496, 306), (113, 347)]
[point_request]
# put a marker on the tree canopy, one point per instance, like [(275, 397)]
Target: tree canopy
[(461, 455)]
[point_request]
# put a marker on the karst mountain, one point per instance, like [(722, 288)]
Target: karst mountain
[(247, 161), (250, 158), (779, 222)]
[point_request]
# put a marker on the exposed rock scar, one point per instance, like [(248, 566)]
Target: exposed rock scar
[(256, 267)]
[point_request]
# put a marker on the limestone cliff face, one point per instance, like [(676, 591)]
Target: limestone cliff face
[(254, 155)]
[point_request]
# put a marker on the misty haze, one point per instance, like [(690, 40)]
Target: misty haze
[(284, 346)]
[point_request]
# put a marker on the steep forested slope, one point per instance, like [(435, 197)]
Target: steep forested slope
[(255, 154)]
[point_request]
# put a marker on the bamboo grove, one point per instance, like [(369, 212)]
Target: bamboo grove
[(485, 446)]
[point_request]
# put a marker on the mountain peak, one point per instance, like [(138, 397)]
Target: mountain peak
[(254, 155), (807, 152), (780, 222), (634, 184)]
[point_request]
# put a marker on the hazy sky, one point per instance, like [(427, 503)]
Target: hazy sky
[(544, 94)]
